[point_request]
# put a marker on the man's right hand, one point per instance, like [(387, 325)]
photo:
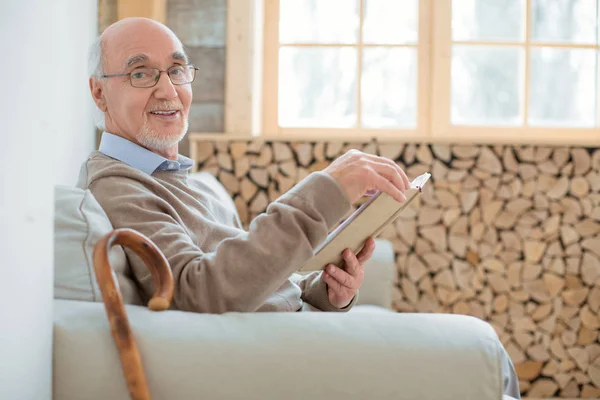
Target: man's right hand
[(360, 173)]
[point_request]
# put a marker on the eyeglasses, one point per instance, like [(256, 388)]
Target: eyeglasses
[(143, 77)]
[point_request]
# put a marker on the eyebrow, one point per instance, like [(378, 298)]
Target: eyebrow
[(136, 59), (180, 55)]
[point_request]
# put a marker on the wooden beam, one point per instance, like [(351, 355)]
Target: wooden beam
[(154, 9), (243, 82)]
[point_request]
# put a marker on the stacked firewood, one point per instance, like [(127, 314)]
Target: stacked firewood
[(508, 234)]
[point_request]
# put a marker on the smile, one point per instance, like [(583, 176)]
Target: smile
[(165, 113)]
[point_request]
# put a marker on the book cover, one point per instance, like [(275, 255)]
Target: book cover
[(369, 220)]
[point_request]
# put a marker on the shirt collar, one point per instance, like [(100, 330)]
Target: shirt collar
[(138, 157)]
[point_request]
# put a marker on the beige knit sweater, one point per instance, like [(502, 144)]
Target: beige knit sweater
[(217, 265)]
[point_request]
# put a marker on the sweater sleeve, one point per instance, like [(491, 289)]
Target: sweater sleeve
[(314, 292), (243, 269)]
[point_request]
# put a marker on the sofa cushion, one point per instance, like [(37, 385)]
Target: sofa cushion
[(79, 223)]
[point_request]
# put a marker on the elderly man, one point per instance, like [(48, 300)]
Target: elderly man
[(141, 82)]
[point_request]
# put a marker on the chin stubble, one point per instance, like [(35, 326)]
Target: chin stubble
[(158, 141)]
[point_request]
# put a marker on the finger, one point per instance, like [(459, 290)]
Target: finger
[(352, 265), (404, 177), (389, 172), (392, 163), (402, 174), (366, 251), (344, 278), (386, 186), (408, 182), (333, 283)]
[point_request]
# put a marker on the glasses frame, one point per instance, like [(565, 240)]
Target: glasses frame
[(160, 71)]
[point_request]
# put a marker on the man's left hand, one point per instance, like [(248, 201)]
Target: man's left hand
[(343, 284)]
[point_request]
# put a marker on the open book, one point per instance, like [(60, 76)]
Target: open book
[(369, 220)]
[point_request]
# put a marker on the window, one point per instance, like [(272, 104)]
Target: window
[(516, 70), (450, 70), (355, 71)]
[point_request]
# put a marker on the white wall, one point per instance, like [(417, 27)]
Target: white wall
[(45, 132), (75, 135)]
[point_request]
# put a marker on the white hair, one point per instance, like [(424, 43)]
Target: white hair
[(96, 70)]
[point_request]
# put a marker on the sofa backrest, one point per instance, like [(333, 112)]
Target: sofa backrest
[(79, 223)]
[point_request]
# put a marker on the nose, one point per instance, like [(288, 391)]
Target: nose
[(165, 88)]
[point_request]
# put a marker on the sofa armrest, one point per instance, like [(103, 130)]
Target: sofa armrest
[(356, 355)]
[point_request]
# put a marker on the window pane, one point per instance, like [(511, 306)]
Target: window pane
[(391, 21), (318, 21), (563, 87), (486, 85), (389, 88), (317, 87), (571, 21), (498, 20)]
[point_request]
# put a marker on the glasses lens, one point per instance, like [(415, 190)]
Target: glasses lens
[(144, 77), (181, 74)]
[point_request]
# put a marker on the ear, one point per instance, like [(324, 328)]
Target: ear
[(97, 93)]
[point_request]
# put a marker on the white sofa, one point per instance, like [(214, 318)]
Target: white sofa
[(368, 353)]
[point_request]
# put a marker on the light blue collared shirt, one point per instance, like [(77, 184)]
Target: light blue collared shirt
[(140, 158)]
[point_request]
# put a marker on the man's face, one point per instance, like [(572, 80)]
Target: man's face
[(156, 117)]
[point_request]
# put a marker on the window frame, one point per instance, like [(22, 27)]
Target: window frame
[(441, 111), (271, 72), (252, 71)]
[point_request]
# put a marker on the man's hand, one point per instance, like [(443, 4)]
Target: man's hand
[(360, 173), (343, 284)]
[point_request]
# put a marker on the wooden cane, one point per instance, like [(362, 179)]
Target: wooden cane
[(113, 301)]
